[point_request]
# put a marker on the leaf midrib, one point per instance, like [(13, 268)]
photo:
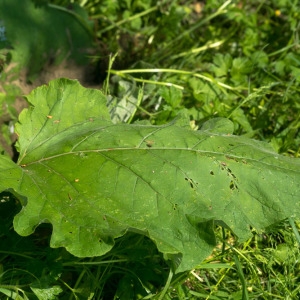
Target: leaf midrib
[(207, 153)]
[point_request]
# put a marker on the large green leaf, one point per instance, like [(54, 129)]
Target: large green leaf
[(94, 180)]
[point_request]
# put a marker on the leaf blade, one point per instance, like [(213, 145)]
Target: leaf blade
[(94, 181)]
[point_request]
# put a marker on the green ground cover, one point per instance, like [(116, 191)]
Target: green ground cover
[(156, 60)]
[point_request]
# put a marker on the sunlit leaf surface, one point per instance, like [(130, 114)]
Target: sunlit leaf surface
[(94, 180)]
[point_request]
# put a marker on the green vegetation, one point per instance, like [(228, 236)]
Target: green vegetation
[(178, 79)]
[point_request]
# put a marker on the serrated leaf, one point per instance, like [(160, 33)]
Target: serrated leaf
[(241, 66), (260, 58), (222, 64), (94, 180), (46, 293), (172, 95)]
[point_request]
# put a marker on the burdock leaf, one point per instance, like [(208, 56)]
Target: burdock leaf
[(94, 180)]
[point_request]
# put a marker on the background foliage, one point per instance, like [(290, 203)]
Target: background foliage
[(234, 59)]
